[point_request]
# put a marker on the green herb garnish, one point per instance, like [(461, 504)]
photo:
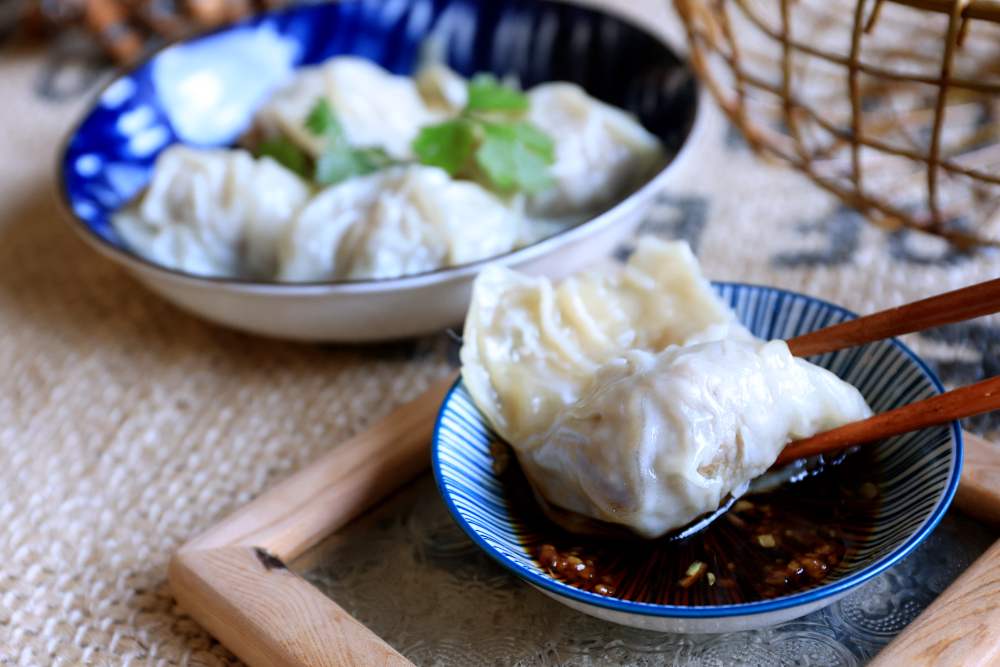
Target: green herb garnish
[(449, 145), (338, 165), (339, 160), (489, 142), (322, 122), (488, 94), (285, 153), (515, 156)]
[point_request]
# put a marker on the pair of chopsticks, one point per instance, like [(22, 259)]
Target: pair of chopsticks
[(948, 308)]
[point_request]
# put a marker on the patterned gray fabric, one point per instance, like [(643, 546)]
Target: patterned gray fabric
[(431, 590)]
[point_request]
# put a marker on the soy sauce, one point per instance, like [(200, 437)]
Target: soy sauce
[(767, 545)]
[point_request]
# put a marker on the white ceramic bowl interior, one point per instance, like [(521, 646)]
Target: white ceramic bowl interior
[(109, 156)]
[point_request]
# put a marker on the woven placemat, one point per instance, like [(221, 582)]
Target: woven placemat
[(128, 426)]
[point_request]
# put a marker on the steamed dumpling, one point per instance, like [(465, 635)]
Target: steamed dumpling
[(442, 88), (220, 212), (601, 151), (213, 212), (399, 221), (662, 438), (531, 348), (375, 107), (633, 396)]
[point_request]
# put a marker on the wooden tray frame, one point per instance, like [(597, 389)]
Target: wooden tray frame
[(233, 579)]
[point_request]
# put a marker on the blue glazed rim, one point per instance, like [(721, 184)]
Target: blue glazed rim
[(81, 227), (849, 582)]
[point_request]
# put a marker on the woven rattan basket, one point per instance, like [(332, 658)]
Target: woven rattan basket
[(892, 105)]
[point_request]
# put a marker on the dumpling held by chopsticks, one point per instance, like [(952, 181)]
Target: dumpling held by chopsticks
[(633, 396)]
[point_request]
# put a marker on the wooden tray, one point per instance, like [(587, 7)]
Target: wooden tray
[(233, 579)]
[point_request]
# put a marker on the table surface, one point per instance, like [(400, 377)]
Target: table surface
[(409, 573), (128, 426)]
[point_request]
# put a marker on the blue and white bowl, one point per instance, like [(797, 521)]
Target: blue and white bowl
[(204, 91), (915, 476)]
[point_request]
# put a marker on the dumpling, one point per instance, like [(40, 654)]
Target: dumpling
[(662, 438), (531, 348), (399, 221), (213, 212), (375, 107), (634, 396), (601, 151), (442, 88)]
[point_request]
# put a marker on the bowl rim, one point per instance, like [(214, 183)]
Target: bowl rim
[(831, 590), (411, 281)]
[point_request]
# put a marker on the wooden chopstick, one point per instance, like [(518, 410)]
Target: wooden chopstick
[(948, 308), (969, 401), (955, 306)]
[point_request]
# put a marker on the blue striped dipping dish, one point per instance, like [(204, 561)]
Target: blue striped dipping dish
[(913, 478)]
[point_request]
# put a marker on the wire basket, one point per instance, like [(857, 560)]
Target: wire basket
[(891, 105)]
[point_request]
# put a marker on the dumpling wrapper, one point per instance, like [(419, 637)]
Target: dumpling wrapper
[(531, 348), (375, 107), (662, 438), (442, 88), (634, 396), (601, 151), (399, 221), (212, 212)]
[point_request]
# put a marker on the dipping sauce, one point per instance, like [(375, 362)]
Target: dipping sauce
[(767, 545)]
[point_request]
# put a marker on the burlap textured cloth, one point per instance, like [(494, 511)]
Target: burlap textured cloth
[(128, 426)]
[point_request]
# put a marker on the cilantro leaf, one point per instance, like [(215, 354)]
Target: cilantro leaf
[(339, 160), (448, 145), (488, 94), (337, 165), (515, 156), (285, 153), (534, 138), (373, 158), (323, 122), (486, 141)]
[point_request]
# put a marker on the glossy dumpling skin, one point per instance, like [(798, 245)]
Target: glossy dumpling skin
[(601, 151), (399, 221), (662, 438), (375, 107), (531, 348), (212, 212)]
